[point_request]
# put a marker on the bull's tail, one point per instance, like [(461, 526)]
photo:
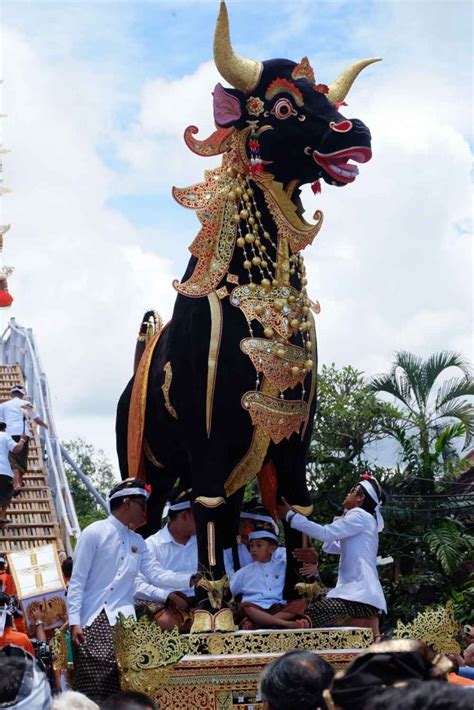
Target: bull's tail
[(151, 325)]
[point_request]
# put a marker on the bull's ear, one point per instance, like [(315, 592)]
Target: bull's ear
[(227, 106)]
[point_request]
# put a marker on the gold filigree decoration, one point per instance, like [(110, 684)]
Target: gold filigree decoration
[(224, 621), (165, 387), (233, 278), (269, 306), (59, 651), (436, 627), (222, 292), (150, 455), (145, 653), (252, 462), (215, 589), (276, 361), (217, 143), (281, 641), (314, 373), (289, 224), (202, 621), (279, 418)]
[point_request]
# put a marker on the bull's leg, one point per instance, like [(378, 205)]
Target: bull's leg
[(289, 458)]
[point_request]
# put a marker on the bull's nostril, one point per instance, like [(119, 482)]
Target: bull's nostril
[(341, 127)]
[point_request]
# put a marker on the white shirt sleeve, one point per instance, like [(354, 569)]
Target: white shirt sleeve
[(347, 526), (334, 548), (160, 577), (83, 558), (236, 582), (150, 592), (11, 443)]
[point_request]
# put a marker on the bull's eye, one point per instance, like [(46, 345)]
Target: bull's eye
[(283, 109)]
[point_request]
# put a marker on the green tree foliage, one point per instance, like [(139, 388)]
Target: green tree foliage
[(95, 464), (434, 413)]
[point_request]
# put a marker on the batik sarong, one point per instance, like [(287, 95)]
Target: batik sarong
[(95, 668), (331, 611)]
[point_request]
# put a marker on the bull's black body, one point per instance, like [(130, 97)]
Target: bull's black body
[(290, 147)]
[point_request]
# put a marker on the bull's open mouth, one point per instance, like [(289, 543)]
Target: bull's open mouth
[(337, 165)]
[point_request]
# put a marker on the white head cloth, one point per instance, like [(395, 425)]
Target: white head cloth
[(259, 534), (127, 492), (378, 515), (261, 518), (184, 505)]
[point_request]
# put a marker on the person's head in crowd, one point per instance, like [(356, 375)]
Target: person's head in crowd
[(262, 545), (128, 502), (70, 700), (468, 655), (23, 685), (255, 517), (423, 695), (181, 521), (368, 495), (383, 665), (295, 680), (129, 700), (17, 391), (66, 568)]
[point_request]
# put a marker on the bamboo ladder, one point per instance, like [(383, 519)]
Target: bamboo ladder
[(32, 513)]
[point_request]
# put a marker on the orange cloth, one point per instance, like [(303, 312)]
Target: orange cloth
[(20, 624), (458, 680), (7, 583), (15, 638)]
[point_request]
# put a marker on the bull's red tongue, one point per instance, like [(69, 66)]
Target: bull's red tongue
[(316, 187)]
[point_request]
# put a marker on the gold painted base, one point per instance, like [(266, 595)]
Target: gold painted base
[(220, 671)]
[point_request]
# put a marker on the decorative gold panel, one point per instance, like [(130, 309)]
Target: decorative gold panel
[(437, 627)]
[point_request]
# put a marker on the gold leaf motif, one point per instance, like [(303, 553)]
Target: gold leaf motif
[(436, 627), (279, 418), (165, 387), (276, 360), (279, 320)]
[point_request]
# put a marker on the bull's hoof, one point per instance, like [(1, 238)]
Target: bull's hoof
[(202, 622), (224, 621)]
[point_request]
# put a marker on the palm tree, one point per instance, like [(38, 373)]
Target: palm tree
[(434, 413)]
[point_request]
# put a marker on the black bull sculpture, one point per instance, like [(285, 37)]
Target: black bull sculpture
[(226, 391)]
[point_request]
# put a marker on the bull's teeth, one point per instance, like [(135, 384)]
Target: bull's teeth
[(337, 170), (346, 173)]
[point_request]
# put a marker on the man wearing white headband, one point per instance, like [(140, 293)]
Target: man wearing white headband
[(253, 517), (108, 557), (174, 548), (17, 413), (357, 598), (260, 585)]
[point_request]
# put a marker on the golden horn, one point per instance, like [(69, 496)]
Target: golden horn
[(341, 86), (241, 73)]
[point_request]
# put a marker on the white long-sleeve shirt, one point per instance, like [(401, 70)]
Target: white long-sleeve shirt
[(107, 559), (170, 555), (245, 558), (16, 416), (261, 582), (355, 538)]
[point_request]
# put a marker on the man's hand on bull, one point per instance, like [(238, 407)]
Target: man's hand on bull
[(309, 570), (282, 508), (306, 555), (195, 579)]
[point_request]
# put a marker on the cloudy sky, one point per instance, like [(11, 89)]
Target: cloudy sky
[(98, 96)]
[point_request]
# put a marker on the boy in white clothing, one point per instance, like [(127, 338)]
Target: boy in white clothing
[(261, 585)]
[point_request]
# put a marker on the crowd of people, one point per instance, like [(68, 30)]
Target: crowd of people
[(115, 571)]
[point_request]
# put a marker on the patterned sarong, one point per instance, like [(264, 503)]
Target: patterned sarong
[(20, 461), (95, 669), (330, 611)]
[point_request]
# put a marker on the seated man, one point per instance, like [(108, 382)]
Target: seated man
[(261, 585), (174, 547)]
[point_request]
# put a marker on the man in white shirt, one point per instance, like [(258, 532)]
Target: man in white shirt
[(7, 446), (174, 548), (17, 413), (357, 597), (108, 557)]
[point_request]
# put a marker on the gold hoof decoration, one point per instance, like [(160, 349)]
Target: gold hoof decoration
[(202, 622), (224, 621)]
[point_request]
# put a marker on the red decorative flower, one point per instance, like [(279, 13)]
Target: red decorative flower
[(147, 487), (322, 88), (366, 476)]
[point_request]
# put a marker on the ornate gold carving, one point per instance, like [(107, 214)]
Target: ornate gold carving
[(253, 642), (59, 650), (222, 292), (224, 621), (436, 627), (215, 308), (279, 418), (232, 279), (218, 142), (210, 502), (215, 589), (277, 312), (150, 456), (276, 361), (165, 387), (145, 653)]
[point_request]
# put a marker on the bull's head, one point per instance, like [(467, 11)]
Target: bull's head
[(302, 135)]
